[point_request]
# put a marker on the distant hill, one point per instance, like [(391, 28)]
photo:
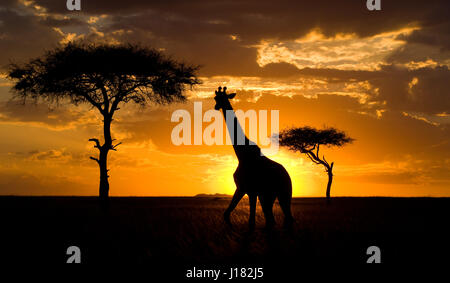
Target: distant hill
[(212, 196)]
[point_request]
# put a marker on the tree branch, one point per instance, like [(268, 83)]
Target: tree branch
[(114, 147), (92, 101), (95, 159), (323, 157), (311, 157), (317, 160), (311, 153), (117, 99), (97, 143), (317, 152), (105, 98)]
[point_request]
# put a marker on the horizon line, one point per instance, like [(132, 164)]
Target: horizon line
[(220, 195)]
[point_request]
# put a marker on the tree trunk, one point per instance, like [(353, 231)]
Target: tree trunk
[(103, 162), (330, 181), (104, 184)]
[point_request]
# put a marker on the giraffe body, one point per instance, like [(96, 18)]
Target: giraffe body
[(267, 180), (256, 175)]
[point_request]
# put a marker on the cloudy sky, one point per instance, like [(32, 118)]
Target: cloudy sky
[(381, 76)]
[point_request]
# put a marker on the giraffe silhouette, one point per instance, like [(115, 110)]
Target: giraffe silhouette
[(256, 175)]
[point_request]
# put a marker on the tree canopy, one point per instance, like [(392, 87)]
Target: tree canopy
[(304, 139), (103, 76)]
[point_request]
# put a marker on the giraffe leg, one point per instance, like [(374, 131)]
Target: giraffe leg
[(252, 200), (267, 204), (285, 203), (238, 195), (284, 198)]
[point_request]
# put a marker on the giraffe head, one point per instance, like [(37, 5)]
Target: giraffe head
[(222, 98)]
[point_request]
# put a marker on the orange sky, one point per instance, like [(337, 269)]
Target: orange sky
[(386, 86)]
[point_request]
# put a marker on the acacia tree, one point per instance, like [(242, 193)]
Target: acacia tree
[(307, 140), (103, 76)]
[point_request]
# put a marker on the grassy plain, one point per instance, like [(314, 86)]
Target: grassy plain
[(191, 230)]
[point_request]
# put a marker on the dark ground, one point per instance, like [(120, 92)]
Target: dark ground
[(190, 230)]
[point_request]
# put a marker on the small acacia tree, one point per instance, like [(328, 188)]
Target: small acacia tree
[(103, 76), (308, 140)]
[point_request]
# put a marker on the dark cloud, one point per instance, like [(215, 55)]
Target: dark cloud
[(53, 21), (336, 75), (23, 35), (59, 117), (256, 19), (438, 35), (435, 29), (201, 32), (423, 90), (428, 43)]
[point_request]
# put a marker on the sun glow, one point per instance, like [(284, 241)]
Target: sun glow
[(299, 170)]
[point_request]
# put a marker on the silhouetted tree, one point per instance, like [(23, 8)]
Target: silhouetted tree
[(308, 140), (103, 76)]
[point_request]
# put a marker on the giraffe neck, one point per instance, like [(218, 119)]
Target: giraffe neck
[(244, 148)]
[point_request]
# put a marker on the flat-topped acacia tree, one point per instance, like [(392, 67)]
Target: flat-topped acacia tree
[(307, 140), (103, 76)]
